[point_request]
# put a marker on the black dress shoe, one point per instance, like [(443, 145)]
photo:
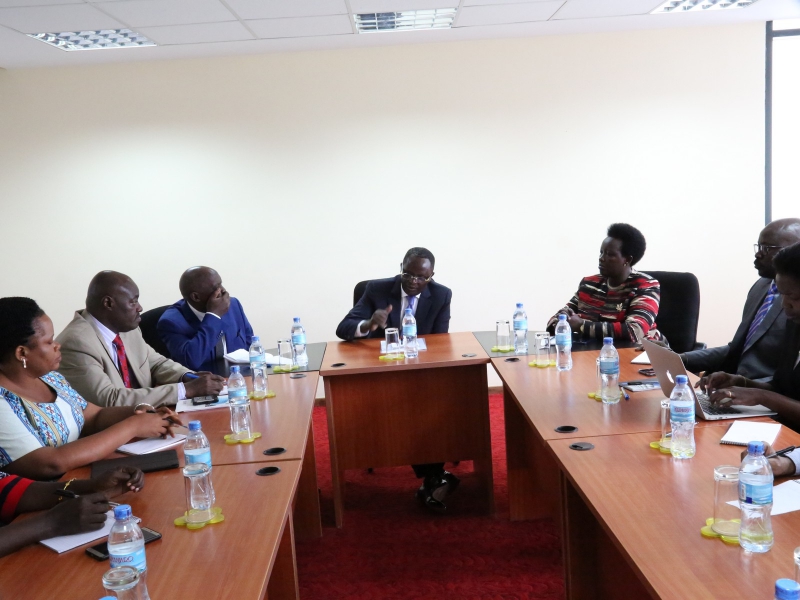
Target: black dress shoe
[(446, 486), (428, 501)]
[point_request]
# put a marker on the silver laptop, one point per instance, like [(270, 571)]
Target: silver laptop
[(668, 365)]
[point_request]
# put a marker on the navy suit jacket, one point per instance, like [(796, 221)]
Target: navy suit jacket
[(432, 315), (191, 342)]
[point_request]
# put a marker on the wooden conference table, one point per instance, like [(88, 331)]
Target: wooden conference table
[(249, 555), (433, 408), (630, 515)]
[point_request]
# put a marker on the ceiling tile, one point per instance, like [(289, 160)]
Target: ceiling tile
[(301, 27), (593, 9), (485, 2), (197, 34), (369, 6), (276, 9), (152, 13), (472, 16), (28, 3), (67, 17)]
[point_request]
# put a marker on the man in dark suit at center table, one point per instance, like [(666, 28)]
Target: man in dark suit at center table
[(383, 305)]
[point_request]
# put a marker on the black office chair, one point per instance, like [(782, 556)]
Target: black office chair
[(148, 329), (679, 310), (358, 291)]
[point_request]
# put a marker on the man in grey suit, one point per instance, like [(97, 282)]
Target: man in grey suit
[(754, 350)]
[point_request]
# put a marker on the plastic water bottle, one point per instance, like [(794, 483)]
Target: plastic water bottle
[(563, 344), (126, 545), (257, 358), (609, 372), (237, 389), (196, 448), (520, 330), (239, 404), (755, 499), (681, 419), (299, 343), (410, 335), (787, 589)]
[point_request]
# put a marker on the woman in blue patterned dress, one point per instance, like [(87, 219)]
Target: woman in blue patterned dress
[(46, 427)]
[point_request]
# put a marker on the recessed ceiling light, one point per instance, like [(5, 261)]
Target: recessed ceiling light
[(437, 18), (683, 6), (104, 39)]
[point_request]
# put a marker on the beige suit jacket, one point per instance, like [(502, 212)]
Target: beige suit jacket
[(89, 367)]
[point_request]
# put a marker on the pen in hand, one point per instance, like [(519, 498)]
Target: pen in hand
[(72, 495), (782, 452)]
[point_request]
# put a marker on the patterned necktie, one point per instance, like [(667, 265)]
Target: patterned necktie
[(411, 300), (762, 312), (123, 361)]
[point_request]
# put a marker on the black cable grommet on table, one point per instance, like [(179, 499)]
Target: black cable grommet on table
[(468, 355), (265, 471), (581, 446), (338, 364), (513, 359), (566, 429), (297, 375), (274, 451)]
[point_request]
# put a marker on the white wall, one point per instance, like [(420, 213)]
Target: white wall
[(297, 175), (785, 127)]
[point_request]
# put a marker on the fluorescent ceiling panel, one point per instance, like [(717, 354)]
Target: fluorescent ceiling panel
[(408, 20), (66, 17), (108, 39), (596, 9), (155, 13), (200, 33), (385, 6), (685, 6), (301, 27), (278, 9), (487, 2), (475, 16)]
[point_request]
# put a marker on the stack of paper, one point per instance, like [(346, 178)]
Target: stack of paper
[(185, 406), (740, 433), (242, 356), (148, 445), (68, 542)]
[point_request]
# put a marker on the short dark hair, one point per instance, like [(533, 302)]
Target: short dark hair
[(421, 253), (633, 242), (787, 261), (16, 323)]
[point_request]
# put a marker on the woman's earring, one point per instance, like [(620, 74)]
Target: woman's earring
[(24, 363)]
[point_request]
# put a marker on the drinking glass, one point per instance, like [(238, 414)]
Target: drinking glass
[(665, 443), (260, 384), (726, 488), (796, 563), (199, 493), (286, 354), (599, 390), (503, 339), (124, 582), (394, 349), (542, 348)]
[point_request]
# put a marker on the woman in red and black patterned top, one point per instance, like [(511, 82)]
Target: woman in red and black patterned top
[(619, 302), (86, 512)]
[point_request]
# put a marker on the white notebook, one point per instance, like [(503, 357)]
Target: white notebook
[(642, 359), (740, 433), (63, 543), (148, 445)]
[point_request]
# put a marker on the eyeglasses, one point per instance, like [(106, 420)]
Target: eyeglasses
[(765, 248), (414, 279)]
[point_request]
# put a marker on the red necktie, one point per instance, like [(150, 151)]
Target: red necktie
[(123, 361)]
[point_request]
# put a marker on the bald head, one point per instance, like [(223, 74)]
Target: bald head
[(198, 284), (778, 234), (113, 299)]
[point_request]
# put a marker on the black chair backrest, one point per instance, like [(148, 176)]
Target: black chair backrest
[(679, 311), (148, 328), (359, 291)]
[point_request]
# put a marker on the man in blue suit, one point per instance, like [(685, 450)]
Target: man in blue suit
[(383, 305), (206, 324)]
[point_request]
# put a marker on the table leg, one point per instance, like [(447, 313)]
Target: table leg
[(282, 583), (337, 475), (307, 519), (533, 486)]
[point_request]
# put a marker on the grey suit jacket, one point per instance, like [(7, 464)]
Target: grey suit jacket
[(89, 367), (759, 358)]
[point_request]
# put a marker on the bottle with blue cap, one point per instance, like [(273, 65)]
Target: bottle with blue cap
[(681, 419), (126, 545), (196, 448), (258, 360), (609, 372), (299, 343), (755, 500), (787, 589), (563, 344), (410, 349), (520, 330)]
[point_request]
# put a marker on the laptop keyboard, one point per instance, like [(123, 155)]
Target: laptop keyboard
[(711, 409)]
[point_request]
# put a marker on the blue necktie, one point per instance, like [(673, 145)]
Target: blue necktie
[(411, 300), (762, 312)]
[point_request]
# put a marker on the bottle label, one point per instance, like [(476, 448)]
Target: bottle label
[(237, 393), (520, 324), (200, 457), (609, 367), (409, 330), (134, 559), (750, 493), (258, 358), (564, 339), (679, 412), (298, 338)]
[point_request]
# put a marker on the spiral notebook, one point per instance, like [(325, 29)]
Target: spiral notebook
[(740, 433)]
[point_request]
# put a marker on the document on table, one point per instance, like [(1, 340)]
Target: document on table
[(421, 345), (741, 433), (785, 498), (642, 359), (63, 543), (185, 406), (148, 445), (242, 356)]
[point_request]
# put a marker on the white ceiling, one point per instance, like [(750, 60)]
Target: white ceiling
[(204, 28)]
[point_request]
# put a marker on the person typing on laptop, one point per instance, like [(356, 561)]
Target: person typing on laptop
[(782, 394)]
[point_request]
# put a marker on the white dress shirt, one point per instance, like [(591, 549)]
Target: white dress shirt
[(404, 306), (108, 339)]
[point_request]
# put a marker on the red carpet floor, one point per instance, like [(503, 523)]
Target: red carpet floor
[(390, 547)]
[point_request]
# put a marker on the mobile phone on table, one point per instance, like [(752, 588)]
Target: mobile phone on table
[(100, 551), (201, 400)]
